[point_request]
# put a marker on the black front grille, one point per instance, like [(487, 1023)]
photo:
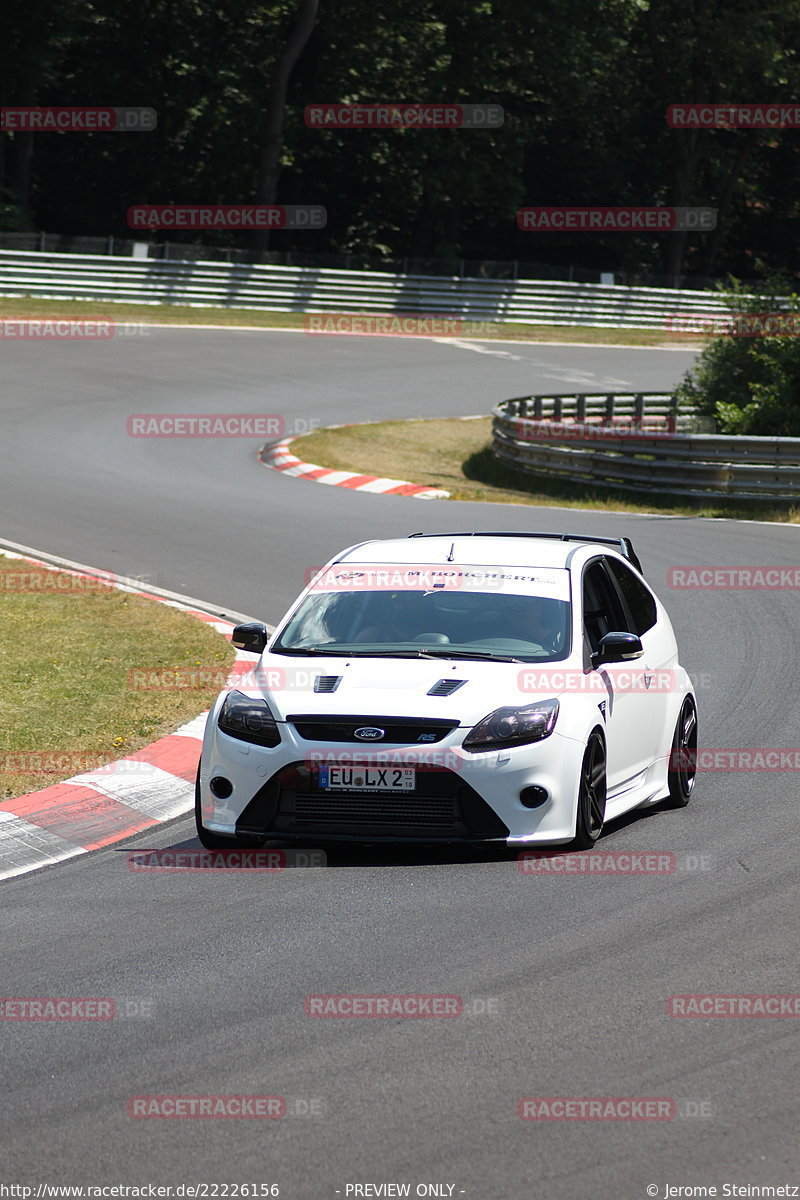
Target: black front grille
[(402, 731), (442, 805), (366, 813)]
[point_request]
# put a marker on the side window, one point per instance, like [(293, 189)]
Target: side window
[(602, 611), (640, 601)]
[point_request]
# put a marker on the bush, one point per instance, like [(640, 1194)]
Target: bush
[(750, 385)]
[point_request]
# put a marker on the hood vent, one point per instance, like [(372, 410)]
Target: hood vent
[(327, 683), (446, 687)]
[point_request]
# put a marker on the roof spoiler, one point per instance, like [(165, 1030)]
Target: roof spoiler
[(623, 544)]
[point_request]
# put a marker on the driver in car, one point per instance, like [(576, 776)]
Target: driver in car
[(534, 620), (392, 619)]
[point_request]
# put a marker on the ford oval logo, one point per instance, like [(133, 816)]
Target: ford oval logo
[(369, 733)]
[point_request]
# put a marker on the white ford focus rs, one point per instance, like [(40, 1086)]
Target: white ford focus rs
[(519, 688)]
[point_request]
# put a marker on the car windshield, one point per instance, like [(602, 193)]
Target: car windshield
[(444, 623)]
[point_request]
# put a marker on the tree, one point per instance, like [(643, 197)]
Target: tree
[(35, 40), (269, 166), (746, 380), (716, 52)]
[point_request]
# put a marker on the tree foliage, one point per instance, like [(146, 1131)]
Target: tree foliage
[(746, 382), (584, 85)]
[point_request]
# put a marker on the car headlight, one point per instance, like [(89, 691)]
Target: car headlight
[(248, 719), (513, 726)]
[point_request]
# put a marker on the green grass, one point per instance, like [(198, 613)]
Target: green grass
[(456, 455), (65, 687), (183, 314)]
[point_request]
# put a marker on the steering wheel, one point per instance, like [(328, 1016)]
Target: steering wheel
[(434, 639)]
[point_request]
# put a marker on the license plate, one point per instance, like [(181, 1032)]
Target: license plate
[(367, 779)]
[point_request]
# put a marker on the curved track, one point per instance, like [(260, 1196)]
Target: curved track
[(578, 970)]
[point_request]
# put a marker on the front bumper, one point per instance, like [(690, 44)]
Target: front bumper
[(458, 796)]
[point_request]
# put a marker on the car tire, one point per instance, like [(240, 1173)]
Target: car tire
[(220, 841), (591, 794), (682, 768)]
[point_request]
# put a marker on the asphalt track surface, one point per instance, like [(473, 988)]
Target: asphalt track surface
[(575, 971)]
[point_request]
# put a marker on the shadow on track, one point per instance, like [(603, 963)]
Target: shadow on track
[(312, 854)]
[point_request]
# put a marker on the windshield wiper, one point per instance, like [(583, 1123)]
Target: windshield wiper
[(309, 651), (329, 652), (427, 652), (422, 652)]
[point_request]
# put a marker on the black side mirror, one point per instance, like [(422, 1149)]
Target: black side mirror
[(253, 637), (617, 647)]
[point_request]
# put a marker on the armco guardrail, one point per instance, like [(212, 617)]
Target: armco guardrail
[(640, 443), (401, 264), (302, 289), (628, 408)]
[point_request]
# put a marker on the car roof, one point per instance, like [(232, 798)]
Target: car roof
[(480, 549)]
